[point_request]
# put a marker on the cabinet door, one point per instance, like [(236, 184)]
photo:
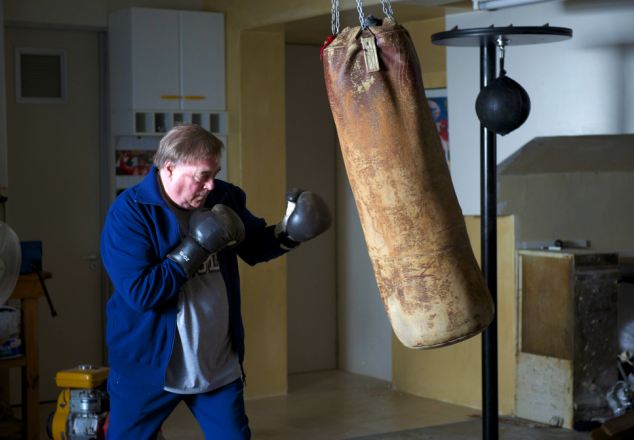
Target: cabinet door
[(155, 59), (202, 47)]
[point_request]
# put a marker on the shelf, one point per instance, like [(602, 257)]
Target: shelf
[(29, 286), (148, 123)]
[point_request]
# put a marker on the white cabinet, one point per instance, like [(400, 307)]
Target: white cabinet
[(153, 68), (202, 52), (166, 67)]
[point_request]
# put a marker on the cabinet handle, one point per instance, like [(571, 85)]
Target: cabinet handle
[(194, 97), (172, 97)]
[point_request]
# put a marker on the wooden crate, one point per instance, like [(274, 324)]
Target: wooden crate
[(567, 335)]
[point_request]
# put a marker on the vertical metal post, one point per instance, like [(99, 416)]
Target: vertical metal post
[(488, 209), (488, 39)]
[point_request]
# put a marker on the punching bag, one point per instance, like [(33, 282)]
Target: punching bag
[(432, 289)]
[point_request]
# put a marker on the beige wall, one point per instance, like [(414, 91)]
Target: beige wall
[(453, 373), (432, 57), (263, 174)]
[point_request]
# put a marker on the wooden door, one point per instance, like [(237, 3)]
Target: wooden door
[(53, 161)]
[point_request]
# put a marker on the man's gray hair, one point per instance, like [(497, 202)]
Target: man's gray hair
[(187, 143)]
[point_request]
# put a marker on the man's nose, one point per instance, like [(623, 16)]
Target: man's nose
[(209, 185)]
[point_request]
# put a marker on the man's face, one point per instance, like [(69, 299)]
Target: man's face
[(187, 184)]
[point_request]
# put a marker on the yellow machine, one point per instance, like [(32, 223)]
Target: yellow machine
[(82, 406)]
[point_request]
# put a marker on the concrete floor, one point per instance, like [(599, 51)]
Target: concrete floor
[(472, 430), (338, 405)]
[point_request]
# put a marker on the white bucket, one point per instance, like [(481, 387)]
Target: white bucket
[(10, 343)]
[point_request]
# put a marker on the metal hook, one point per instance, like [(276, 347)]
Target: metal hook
[(501, 43)]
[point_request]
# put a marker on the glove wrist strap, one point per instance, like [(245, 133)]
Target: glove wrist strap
[(189, 255), (286, 242)]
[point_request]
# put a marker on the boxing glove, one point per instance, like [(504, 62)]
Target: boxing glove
[(210, 231), (306, 217)]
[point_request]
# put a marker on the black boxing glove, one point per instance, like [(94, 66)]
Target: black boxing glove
[(306, 217), (210, 231)]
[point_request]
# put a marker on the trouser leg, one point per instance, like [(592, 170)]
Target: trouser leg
[(221, 413), (137, 411)]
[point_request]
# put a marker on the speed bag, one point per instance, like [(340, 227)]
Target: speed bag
[(430, 284)]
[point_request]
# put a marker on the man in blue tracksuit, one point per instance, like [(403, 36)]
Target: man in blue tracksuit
[(174, 329)]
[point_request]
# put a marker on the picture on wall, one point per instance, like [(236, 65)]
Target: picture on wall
[(437, 100), (133, 162)]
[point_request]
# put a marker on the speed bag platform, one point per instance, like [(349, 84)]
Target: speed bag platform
[(431, 286)]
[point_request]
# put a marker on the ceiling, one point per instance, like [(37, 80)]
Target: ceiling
[(314, 30)]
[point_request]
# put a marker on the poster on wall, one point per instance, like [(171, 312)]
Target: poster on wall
[(131, 167), (437, 100), (133, 162)]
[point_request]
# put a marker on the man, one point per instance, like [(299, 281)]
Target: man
[(174, 329)]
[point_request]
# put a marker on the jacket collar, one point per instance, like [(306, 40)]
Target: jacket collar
[(148, 191)]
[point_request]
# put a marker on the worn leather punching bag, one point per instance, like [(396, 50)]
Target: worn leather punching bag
[(432, 289)]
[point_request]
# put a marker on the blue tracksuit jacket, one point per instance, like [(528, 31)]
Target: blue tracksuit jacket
[(139, 231)]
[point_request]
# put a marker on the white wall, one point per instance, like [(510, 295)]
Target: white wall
[(581, 86)]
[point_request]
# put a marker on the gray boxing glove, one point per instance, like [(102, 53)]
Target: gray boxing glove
[(210, 231), (307, 216)]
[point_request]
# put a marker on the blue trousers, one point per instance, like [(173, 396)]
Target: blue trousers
[(137, 411)]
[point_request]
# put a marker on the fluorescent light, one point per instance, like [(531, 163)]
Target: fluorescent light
[(499, 4)]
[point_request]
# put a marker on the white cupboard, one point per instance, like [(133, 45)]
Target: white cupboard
[(166, 67)]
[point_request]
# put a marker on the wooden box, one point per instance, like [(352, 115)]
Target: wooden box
[(567, 335)]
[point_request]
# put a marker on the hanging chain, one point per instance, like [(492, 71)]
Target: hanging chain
[(387, 9), (360, 10), (334, 14)]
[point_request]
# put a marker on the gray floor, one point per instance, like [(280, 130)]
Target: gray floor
[(472, 430), (338, 405)]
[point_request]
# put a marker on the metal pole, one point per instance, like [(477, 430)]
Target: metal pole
[(488, 209)]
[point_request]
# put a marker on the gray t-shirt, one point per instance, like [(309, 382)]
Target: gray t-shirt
[(202, 359)]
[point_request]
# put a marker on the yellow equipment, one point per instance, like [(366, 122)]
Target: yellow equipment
[(82, 406)]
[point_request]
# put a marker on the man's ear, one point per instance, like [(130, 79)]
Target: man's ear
[(169, 168)]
